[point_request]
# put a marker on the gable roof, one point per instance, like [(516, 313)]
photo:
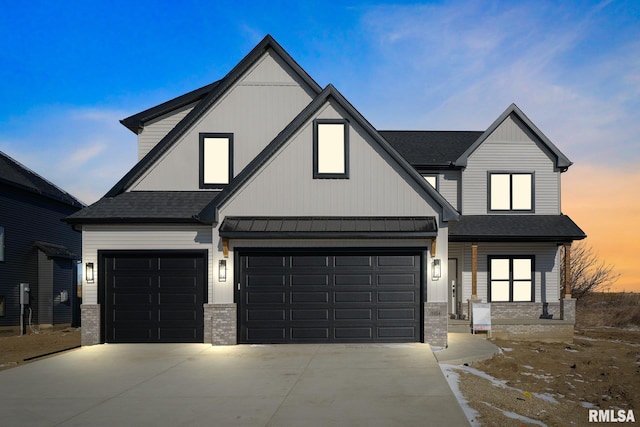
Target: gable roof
[(136, 122), (562, 162), (203, 106), (19, 176), (424, 149), (210, 213)]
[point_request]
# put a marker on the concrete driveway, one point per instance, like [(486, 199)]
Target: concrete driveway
[(197, 384)]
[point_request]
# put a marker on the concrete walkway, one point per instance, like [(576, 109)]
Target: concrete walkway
[(466, 348), (197, 384)]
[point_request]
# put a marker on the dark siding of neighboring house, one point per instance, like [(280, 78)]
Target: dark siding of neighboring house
[(63, 279), (28, 217), (44, 297)]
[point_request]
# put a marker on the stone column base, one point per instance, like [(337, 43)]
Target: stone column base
[(221, 324), (436, 324), (90, 330), (568, 309)]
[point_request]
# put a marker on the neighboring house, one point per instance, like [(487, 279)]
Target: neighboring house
[(36, 247), (265, 209)]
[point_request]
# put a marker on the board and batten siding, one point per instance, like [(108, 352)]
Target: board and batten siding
[(254, 110), (511, 147), (157, 128), (141, 237), (547, 267)]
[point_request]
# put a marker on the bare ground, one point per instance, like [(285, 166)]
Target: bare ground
[(14, 349)]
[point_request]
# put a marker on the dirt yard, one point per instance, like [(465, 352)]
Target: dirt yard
[(15, 349), (533, 383)]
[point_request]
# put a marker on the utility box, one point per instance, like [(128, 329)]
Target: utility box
[(24, 293)]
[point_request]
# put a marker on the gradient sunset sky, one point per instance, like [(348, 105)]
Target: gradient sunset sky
[(69, 71)]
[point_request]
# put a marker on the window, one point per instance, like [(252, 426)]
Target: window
[(1, 306), (510, 278), (216, 159), (431, 179), (1, 243), (330, 149), (510, 191)]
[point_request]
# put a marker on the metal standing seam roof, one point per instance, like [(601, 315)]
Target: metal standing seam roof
[(328, 227), (507, 228)]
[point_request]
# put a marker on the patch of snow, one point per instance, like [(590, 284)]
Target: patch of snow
[(453, 379), (506, 349), (528, 367), (585, 338), (588, 405), (518, 417), (571, 350)]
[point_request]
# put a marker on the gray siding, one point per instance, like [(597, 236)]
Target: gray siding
[(448, 185), (376, 185), (157, 128), (547, 262), (255, 110), (139, 237), (511, 147)]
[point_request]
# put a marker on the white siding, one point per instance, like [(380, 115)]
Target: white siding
[(157, 128), (255, 110), (511, 148), (547, 267), (140, 237)]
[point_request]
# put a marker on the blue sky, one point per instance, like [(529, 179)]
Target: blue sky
[(69, 71)]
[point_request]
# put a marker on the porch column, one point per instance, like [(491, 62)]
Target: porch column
[(567, 270), (474, 271)]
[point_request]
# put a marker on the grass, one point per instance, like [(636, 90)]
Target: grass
[(613, 309)]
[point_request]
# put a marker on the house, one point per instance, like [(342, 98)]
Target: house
[(36, 248), (266, 209)]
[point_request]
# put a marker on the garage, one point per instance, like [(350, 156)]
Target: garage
[(153, 297), (330, 296)]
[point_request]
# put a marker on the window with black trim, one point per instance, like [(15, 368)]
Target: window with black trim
[(216, 159), (431, 179), (511, 191), (330, 149), (511, 278), (1, 305), (1, 243)]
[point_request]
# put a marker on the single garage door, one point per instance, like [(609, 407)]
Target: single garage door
[(153, 297), (329, 297)]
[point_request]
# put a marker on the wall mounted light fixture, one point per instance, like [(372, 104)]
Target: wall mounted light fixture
[(222, 270), (89, 272), (436, 269)]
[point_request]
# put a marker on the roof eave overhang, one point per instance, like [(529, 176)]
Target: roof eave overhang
[(514, 239), (121, 220), (327, 235)]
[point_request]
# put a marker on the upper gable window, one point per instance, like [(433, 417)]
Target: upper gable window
[(510, 191), (216, 159), (330, 149), (431, 179)]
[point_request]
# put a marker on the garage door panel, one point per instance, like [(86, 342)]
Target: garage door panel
[(330, 297), (310, 334), (265, 280), (396, 296), (353, 279), (155, 297), (353, 314), (310, 314), (265, 297), (261, 315), (309, 297)]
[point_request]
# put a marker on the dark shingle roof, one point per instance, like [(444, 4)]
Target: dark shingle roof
[(17, 175), (55, 251), (145, 206), (328, 227), (505, 228), (135, 122), (430, 148)]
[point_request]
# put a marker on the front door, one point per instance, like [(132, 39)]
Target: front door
[(453, 286)]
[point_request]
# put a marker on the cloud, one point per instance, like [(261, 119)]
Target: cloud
[(84, 151)]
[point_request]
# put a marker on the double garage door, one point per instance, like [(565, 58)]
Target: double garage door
[(329, 297), (153, 297)]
